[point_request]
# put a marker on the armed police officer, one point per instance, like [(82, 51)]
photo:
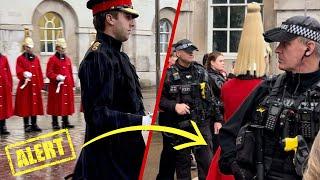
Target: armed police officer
[(283, 107), (186, 96)]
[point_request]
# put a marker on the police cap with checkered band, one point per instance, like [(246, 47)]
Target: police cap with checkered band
[(293, 27), (185, 45)]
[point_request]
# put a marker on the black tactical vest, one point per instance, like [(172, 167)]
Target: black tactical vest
[(185, 87), (284, 115)]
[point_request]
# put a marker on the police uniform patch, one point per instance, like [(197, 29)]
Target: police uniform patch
[(188, 76), (176, 76), (95, 46), (174, 89), (185, 89)]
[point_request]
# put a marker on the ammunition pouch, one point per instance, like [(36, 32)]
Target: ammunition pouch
[(183, 125), (245, 145), (186, 124)]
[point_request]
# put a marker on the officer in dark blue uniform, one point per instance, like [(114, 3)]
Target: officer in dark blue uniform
[(111, 97), (183, 100), (284, 107)]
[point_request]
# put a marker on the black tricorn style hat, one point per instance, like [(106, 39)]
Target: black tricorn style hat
[(304, 26), (185, 45), (98, 6)]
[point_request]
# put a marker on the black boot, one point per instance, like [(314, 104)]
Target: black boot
[(3, 128), (55, 124), (34, 125), (65, 123), (27, 126)]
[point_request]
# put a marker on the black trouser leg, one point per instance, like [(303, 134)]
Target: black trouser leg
[(215, 143), (167, 167), (34, 125), (33, 120), (203, 154), (65, 119), (55, 124), (65, 122), (26, 122), (3, 128), (183, 164), (27, 126), (2, 122), (215, 139)]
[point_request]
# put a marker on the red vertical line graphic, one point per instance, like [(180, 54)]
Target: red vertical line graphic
[(156, 108)]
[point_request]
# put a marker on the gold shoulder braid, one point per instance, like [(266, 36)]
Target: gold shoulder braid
[(95, 46)]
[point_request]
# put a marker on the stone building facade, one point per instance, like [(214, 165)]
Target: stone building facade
[(210, 24), (45, 17)]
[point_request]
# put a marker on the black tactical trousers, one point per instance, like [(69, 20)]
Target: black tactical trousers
[(203, 156), (215, 141), (168, 157)]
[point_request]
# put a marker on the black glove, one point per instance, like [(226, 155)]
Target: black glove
[(239, 173)]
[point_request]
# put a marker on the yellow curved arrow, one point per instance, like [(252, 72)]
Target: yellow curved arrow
[(197, 139)]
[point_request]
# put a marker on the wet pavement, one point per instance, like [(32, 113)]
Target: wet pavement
[(15, 126)]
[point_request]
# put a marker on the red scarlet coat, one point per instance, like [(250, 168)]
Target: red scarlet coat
[(29, 99), (62, 103), (233, 93), (5, 89)]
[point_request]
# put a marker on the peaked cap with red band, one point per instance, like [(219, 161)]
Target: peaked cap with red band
[(98, 6)]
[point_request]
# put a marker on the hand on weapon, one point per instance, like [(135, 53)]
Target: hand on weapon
[(217, 126), (182, 109)]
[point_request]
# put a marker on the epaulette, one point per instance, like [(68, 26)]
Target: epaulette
[(197, 64), (173, 72), (95, 46)]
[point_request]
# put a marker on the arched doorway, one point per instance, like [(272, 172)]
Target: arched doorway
[(49, 17)]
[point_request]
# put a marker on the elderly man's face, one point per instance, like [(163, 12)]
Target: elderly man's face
[(290, 55), (185, 56)]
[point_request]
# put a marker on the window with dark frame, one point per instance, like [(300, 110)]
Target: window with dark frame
[(227, 22)]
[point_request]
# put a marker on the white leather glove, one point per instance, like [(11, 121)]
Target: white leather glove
[(60, 77), (147, 120), (27, 74)]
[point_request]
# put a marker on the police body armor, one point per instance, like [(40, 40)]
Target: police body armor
[(190, 86), (283, 116)]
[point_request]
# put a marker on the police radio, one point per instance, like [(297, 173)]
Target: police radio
[(307, 121), (273, 115), (306, 124)]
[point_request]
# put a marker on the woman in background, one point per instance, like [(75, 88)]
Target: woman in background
[(249, 70), (215, 67)]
